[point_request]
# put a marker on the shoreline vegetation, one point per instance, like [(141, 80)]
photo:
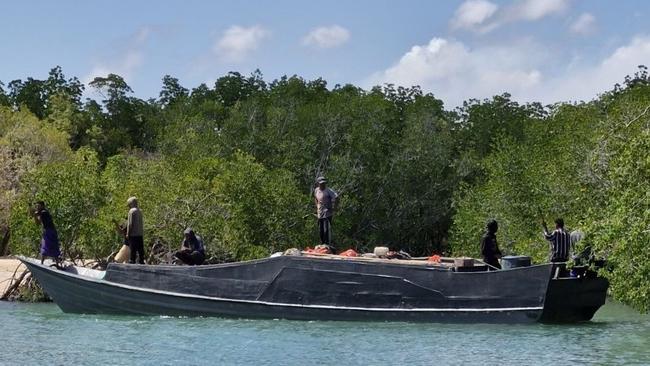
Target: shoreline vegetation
[(236, 161)]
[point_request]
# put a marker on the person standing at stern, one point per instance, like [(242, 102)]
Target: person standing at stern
[(559, 241)]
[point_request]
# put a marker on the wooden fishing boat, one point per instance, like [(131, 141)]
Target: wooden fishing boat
[(311, 287)]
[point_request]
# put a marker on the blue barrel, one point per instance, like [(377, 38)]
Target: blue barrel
[(515, 261)]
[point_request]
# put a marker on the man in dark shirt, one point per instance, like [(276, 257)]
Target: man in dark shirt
[(560, 241), (192, 249), (489, 248)]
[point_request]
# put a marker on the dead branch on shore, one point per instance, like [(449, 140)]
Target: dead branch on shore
[(14, 284)]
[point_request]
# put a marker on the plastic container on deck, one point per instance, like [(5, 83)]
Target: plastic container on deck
[(463, 262), (515, 261)]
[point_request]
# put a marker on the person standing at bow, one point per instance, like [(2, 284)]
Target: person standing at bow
[(50, 246)]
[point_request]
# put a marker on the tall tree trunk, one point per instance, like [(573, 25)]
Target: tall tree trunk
[(4, 244)]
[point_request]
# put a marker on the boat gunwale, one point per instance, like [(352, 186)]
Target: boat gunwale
[(429, 266)]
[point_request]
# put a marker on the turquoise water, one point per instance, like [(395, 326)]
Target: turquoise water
[(37, 334)]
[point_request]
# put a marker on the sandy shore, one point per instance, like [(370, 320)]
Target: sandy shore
[(7, 267)]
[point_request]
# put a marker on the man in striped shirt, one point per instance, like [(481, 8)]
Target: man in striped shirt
[(560, 241)]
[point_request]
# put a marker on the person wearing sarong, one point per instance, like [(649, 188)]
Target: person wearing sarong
[(50, 246)]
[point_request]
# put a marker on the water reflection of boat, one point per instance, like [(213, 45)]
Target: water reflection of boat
[(327, 288)]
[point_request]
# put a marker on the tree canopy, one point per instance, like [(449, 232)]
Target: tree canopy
[(237, 162)]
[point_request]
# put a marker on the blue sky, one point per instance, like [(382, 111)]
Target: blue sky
[(538, 50)]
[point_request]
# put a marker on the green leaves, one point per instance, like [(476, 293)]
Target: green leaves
[(622, 228), (71, 191), (237, 161), (587, 163), (263, 212), (25, 143)]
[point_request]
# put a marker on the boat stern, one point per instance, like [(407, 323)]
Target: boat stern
[(570, 300)]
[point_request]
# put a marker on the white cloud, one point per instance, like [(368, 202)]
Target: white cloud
[(238, 42), (473, 13), (455, 72), (536, 9), (327, 37), (483, 16), (584, 82), (127, 59), (585, 24), (142, 35)]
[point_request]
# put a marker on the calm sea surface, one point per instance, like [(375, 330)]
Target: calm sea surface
[(38, 334)]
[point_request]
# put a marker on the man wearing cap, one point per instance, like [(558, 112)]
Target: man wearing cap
[(326, 202), (135, 231), (192, 249)]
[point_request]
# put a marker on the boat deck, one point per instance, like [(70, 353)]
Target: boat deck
[(445, 262)]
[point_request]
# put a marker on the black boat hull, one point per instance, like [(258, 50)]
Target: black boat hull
[(306, 289)]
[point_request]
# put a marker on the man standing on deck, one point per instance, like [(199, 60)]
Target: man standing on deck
[(326, 203), (560, 241), (135, 231), (489, 248)]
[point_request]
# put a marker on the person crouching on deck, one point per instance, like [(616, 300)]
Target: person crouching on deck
[(50, 246), (489, 247), (192, 249)]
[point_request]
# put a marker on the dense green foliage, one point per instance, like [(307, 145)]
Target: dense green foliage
[(237, 162), (588, 163)]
